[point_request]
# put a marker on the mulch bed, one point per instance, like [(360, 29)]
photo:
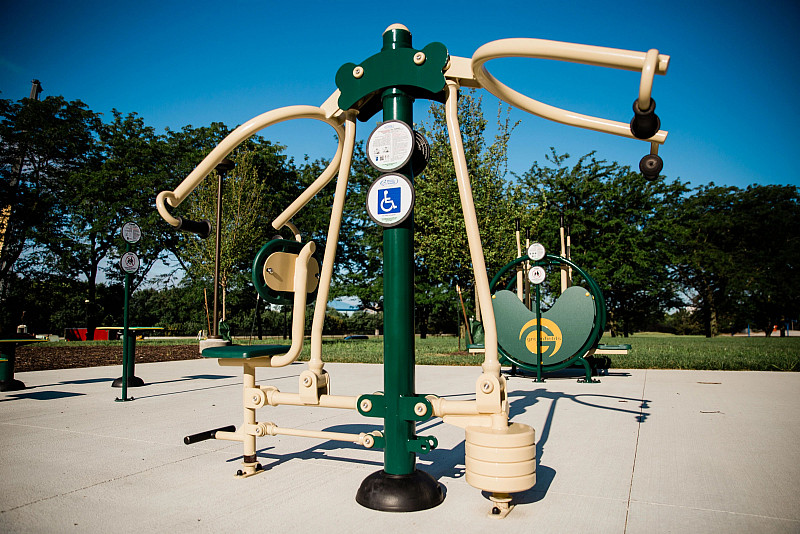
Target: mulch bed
[(33, 358)]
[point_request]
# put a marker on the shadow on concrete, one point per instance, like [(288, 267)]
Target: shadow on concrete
[(525, 399), (193, 377), (42, 395), (73, 382), (570, 373), (320, 451), (87, 381), (205, 377)]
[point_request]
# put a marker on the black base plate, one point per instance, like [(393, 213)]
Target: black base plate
[(11, 385), (133, 382), (400, 493)]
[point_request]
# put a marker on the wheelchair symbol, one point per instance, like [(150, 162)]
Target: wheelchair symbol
[(387, 204)]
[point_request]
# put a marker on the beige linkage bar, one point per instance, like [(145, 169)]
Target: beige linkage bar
[(239, 135), (649, 63), (491, 363)]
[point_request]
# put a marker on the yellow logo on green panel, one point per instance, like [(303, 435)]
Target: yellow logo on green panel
[(550, 336)]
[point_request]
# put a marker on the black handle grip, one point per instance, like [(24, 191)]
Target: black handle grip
[(208, 434), (201, 228), (645, 124), (651, 166)]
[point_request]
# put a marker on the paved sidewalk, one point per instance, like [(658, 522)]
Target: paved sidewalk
[(644, 451)]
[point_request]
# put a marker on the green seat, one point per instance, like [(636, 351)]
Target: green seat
[(567, 325), (244, 352)]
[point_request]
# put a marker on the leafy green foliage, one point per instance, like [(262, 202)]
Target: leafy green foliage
[(440, 237), (617, 223), (736, 254)]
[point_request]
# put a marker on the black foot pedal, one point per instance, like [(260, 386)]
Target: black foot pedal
[(208, 434)]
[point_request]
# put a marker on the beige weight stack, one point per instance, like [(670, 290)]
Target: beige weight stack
[(501, 461)]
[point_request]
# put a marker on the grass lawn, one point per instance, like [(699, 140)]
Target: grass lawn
[(649, 351)]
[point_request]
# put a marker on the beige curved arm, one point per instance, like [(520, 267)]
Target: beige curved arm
[(491, 363), (299, 313), (239, 135), (650, 64), (334, 226)]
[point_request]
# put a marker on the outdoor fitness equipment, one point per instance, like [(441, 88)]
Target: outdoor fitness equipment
[(570, 329), (549, 340), (500, 456)]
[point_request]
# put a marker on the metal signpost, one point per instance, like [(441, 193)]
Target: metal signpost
[(129, 264), (400, 486)]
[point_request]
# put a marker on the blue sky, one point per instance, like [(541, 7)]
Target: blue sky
[(729, 99)]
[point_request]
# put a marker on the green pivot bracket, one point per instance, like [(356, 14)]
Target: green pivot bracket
[(411, 408), (420, 73)]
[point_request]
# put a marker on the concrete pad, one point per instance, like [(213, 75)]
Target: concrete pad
[(725, 447), (643, 451)]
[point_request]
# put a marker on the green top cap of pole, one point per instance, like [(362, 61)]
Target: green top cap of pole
[(420, 73)]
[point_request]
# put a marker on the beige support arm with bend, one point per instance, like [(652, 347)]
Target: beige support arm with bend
[(491, 362), (649, 63), (239, 135), (315, 361)]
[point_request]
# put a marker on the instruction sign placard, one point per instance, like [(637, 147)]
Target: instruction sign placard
[(537, 275), (390, 200), (131, 232), (129, 262), (390, 146), (536, 251)]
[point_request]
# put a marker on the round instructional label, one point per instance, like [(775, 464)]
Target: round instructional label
[(390, 146), (129, 262), (131, 232), (390, 200), (537, 275), (536, 251)]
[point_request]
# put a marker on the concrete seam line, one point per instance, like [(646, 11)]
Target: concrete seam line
[(635, 452)]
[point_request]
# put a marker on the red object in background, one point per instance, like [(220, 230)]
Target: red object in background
[(79, 334)]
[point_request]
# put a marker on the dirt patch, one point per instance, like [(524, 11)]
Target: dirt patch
[(33, 358)]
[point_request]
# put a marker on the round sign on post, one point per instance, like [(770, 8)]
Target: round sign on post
[(536, 251), (390, 200), (129, 262), (131, 232), (390, 146), (536, 275)]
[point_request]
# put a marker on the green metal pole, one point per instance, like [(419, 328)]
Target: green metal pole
[(399, 486), (398, 300), (539, 333), (125, 355)]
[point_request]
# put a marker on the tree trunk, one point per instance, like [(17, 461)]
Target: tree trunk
[(710, 313)]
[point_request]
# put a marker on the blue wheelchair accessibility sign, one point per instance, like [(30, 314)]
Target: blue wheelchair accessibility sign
[(389, 200)]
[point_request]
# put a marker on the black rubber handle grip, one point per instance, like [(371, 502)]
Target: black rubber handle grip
[(645, 124), (208, 434), (201, 228)]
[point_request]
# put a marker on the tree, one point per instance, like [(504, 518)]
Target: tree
[(736, 253), (768, 259), (243, 207), (115, 185), (618, 225), (359, 255), (443, 258), (42, 143)]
